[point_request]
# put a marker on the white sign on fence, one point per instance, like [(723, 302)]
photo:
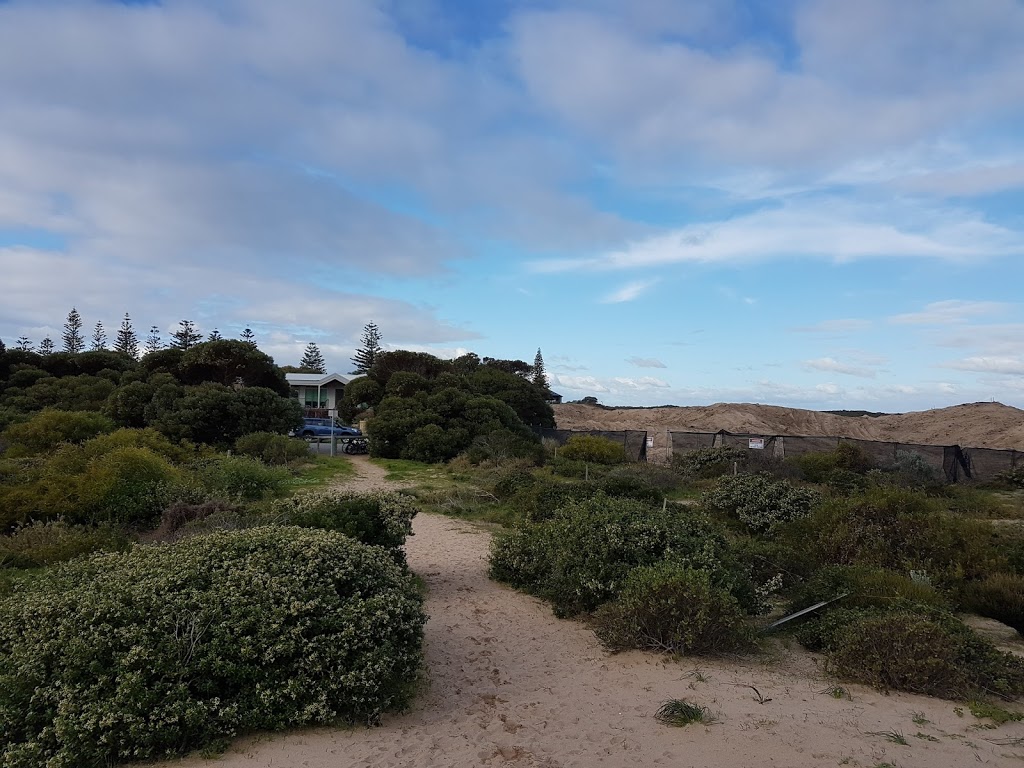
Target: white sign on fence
[(757, 443), (650, 442)]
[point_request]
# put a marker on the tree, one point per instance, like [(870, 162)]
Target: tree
[(99, 337), (248, 336), (214, 335), (540, 377), (72, 336), (127, 343), (46, 346), (313, 359), (153, 341), (187, 336), (366, 354), (3, 347), (24, 343)]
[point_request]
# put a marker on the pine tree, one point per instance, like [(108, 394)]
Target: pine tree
[(248, 336), (540, 377), (313, 359), (187, 335), (24, 343), (3, 347), (72, 336), (214, 335), (46, 346), (153, 342), (127, 343), (365, 355), (99, 337)]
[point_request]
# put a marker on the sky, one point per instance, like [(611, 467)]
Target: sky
[(809, 203)]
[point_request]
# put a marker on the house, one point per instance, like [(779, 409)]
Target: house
[(552, 397), (319, 393)]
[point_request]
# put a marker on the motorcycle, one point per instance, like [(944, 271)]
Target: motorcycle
[(357, 446)]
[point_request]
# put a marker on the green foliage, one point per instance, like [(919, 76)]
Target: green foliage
[(240, 478), (47, 429), (707, 463), (931, 653), (272, 448), (817, 467), (230, 363), (999, 596), (504, 445), (672, 608), (380, 518), (758, 502), (126, 405), (45, 543), (910, 470), (866, 587), (581, 556), (592, 448), (897, 529), (679, 712), (128, 486), (164, 649), (1013, 478)]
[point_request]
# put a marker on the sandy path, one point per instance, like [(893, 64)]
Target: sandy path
[(369, 477), (510, 684)]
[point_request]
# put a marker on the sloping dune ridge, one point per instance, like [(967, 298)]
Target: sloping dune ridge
[(978, 425)]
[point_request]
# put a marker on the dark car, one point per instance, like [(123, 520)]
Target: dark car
[(312, 428)]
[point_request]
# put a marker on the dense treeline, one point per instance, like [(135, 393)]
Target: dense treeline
[(213, 392), (428, 409)]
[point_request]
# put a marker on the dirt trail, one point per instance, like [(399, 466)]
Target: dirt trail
[(369, 477), (511, 684)]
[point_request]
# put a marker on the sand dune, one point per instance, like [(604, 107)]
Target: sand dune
[(979, 425)]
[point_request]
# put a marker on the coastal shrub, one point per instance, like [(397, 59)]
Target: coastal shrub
[(272, 448), (503, 445), (654, 476), (581, 556), (240, 477), (866, 587), (759, 503), (126, 486), (707, 463), (897, 529), (382, 518), (932, 653), (45, 543), (673, 608), (512, 480), (47, 429), (910, 470), (163, 649), (593, 448), (999, 596), (181, 514), (816, 467)]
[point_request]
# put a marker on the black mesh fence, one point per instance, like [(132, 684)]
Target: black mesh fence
[(986, 463), (634, 441), (956, 464)]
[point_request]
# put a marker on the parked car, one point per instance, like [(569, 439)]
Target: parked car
[(312, 428)]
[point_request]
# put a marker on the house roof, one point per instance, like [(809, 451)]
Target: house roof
[(318, 380)]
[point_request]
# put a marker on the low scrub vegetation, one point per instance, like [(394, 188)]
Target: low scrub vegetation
[(159, 650)]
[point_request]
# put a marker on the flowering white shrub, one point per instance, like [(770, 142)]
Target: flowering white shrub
[(156, 651), (759, 502)]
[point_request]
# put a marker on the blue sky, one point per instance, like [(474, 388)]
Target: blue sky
[(813, 203)]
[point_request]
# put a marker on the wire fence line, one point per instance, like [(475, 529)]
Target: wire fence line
[(634, 441), (957, 463)]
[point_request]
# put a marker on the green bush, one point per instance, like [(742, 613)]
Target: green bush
[(897, 529), (272, 448), (910, 470), (707, 463), (758, 502), (672, 608), (181, 514), (45, 543), (163, 649), (127, 486), (866, 587), (381, 518), (580, 557), (240, 477), (816, 467), (503, 445), (511, 481), (932, 654), (593, 448), (47, 429), (1000, 596)]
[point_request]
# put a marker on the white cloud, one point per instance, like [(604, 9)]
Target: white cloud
[(645, 362), (834, 366), (949, 311), (1010, 366), (629, 292)]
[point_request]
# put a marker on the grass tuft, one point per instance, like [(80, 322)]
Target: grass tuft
[(679, 712)]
